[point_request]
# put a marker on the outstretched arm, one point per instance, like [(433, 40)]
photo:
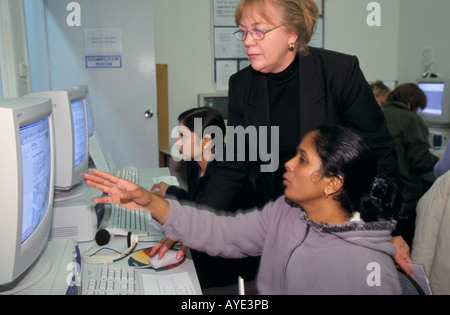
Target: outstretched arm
[(127, 194)]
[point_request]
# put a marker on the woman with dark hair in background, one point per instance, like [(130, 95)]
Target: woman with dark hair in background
[(201, 138)]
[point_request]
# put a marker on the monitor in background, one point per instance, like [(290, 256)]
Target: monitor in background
[(437, 112), (98, 157), (71, 137), (218, 101), (27, 179), (87, 99)]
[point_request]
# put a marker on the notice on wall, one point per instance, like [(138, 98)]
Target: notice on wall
[(103, 61), (103, 48)]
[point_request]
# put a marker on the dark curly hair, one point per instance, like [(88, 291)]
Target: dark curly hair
[(345, 155)]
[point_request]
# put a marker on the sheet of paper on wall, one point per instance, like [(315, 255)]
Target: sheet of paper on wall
[(223, 12), (103, 42), (224, 70)]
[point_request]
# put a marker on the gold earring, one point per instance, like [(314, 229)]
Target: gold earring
[(291, 46), (326, 195)]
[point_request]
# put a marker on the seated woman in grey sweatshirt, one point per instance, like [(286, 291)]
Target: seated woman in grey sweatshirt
[(329, 234)]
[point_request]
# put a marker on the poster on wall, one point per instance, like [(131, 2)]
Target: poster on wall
[(103, 48), (228, 52)]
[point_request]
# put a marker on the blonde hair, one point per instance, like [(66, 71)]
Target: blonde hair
[(298, 16)]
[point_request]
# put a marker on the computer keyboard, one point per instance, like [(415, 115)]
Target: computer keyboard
[(126, 280), (128, 173), (109, 280), (122, 220)]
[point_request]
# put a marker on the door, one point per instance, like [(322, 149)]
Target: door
[(124, 98)]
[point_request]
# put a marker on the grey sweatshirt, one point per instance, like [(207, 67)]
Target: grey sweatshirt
[(298, 256)]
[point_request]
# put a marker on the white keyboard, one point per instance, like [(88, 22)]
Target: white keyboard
[(109, 280), (128, 173), (122, 221)]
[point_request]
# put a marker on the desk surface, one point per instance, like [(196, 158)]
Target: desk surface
[(51, 272)]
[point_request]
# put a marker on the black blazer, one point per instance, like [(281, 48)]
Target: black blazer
[(332, 90)]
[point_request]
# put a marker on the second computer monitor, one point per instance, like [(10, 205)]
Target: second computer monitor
[(87, 99), (218, 101), (71, 136)]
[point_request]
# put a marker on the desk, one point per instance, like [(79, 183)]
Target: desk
[(50, 274)]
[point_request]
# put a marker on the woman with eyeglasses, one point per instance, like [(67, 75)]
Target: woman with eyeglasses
[(328, 234), (295, 88)]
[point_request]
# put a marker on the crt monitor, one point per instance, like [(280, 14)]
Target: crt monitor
[(437, 90), (218, 101), (27, 174), (87, 99), (71, 136)]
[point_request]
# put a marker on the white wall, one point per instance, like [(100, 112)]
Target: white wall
[(183, 39), (347, 31), (423, 24), (391, 51)]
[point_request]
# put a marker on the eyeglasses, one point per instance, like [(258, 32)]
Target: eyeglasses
[(256, 33)]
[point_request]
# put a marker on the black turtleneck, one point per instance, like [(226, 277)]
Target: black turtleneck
[(283, 89)]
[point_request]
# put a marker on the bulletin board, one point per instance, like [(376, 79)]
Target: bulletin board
[(228, 53)]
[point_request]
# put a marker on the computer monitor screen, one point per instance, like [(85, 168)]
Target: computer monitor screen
[(89, 113), (87, 99), (437, 111), (218, 101), (71, 137), (80, 130), (434, 92), (27, 179), (36, 165)]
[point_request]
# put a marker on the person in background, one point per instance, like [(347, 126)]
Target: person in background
[(413, 148), (380, 91), (197, 147), (325, 234)]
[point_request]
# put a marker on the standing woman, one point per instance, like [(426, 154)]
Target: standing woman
[(295, 88)]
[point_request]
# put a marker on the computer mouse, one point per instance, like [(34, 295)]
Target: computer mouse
[(169, 258)]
